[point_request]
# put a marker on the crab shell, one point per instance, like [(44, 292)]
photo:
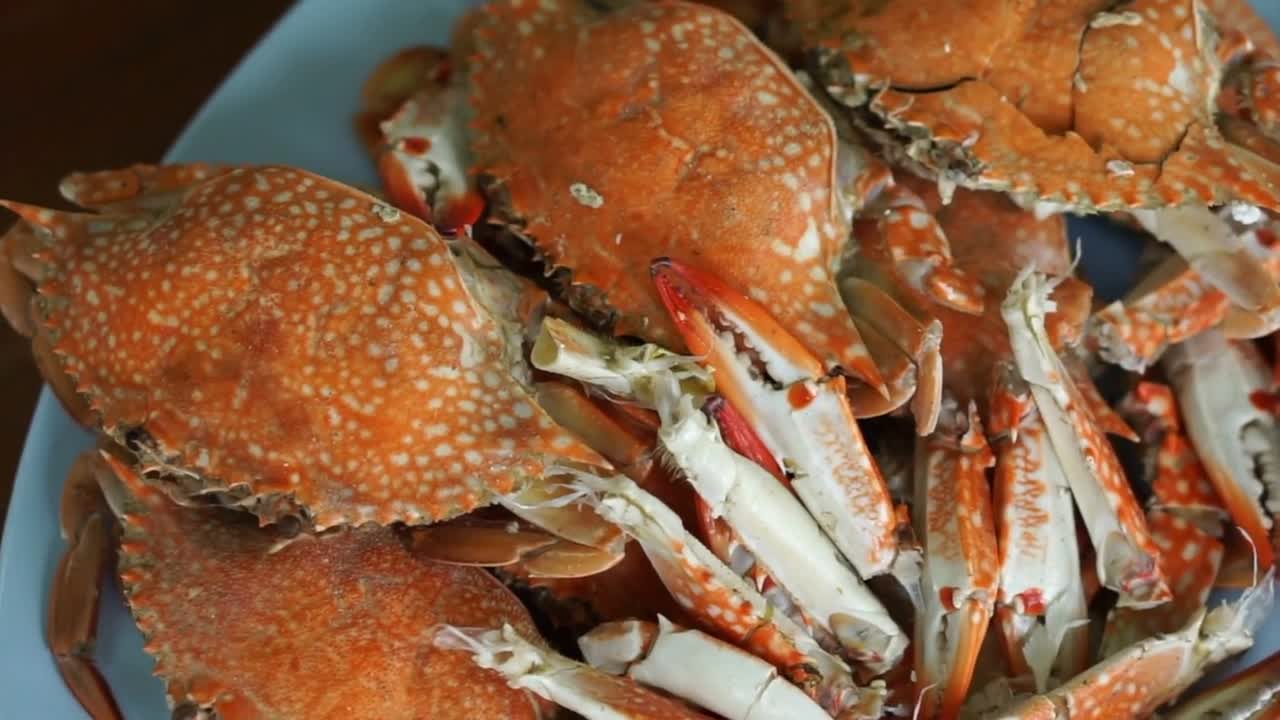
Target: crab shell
[(719, 160), (289, 342), (1068, 102), (247, 622)]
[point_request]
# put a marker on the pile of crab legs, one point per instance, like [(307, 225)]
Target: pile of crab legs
[(642, 278)]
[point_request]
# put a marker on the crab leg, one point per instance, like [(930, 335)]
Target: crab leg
[(768, 519), (593, 694), (1185, 519), (1253, 694), (717, 596), (920, 256), (909, 343), (803, 416), (1217, 382), (1041, 601), (1126, 554), (710, 673), (1212, 248), (1148, 674), (73, 599), (959, 578)]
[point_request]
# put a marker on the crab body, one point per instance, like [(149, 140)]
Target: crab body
[(1048, 119), (279, 341)]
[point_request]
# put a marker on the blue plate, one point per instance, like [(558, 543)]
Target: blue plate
[(290, 101)]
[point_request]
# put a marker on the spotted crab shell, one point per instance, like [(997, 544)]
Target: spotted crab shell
[(717, 157), (288, 343), (245, 622), (1086, 105)]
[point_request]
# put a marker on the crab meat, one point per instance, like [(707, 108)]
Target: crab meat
[(1144, 676), (1126, 554), (268, 338), (590, 693), (1217, 382), (712, 674), (203, 583), (721, 159)]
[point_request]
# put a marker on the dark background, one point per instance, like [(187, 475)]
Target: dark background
[(88, 86)]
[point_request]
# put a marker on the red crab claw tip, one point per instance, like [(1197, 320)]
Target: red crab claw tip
[(400, 187), (697, 300), (741, 437)]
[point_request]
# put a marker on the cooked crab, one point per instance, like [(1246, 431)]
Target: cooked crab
[(722, 161), (1025, 98), (271, 339), (250, 622), (994, 417)]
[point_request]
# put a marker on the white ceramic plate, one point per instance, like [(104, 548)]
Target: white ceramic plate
[(289, 102)]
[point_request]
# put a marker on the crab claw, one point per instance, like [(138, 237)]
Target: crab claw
[(1218, 383), (580, 688), (421, 150), (16, 287), (960, 567), (1126, 554), (73, 599), (1041, 599), (720, 677), (1212, 249), (802, 415), (1253, 694), (921, 257), (1145, 675)]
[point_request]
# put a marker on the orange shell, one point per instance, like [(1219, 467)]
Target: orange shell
[(275, 330), (254, 625), (920, 44), (718, 158), (1077, 103)]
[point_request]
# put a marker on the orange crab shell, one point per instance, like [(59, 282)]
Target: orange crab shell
[(271, 329), (251, 623), (719, 159), (1052, 116)]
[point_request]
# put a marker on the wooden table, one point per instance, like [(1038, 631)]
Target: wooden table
[(92, 86)]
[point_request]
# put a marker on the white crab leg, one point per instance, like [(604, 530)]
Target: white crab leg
[(959, 576), (710, 673), (1125, 550), (1238, 442), (1148, 674), (1041, 601), (593, 694), (720, 598), (771, 523)]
